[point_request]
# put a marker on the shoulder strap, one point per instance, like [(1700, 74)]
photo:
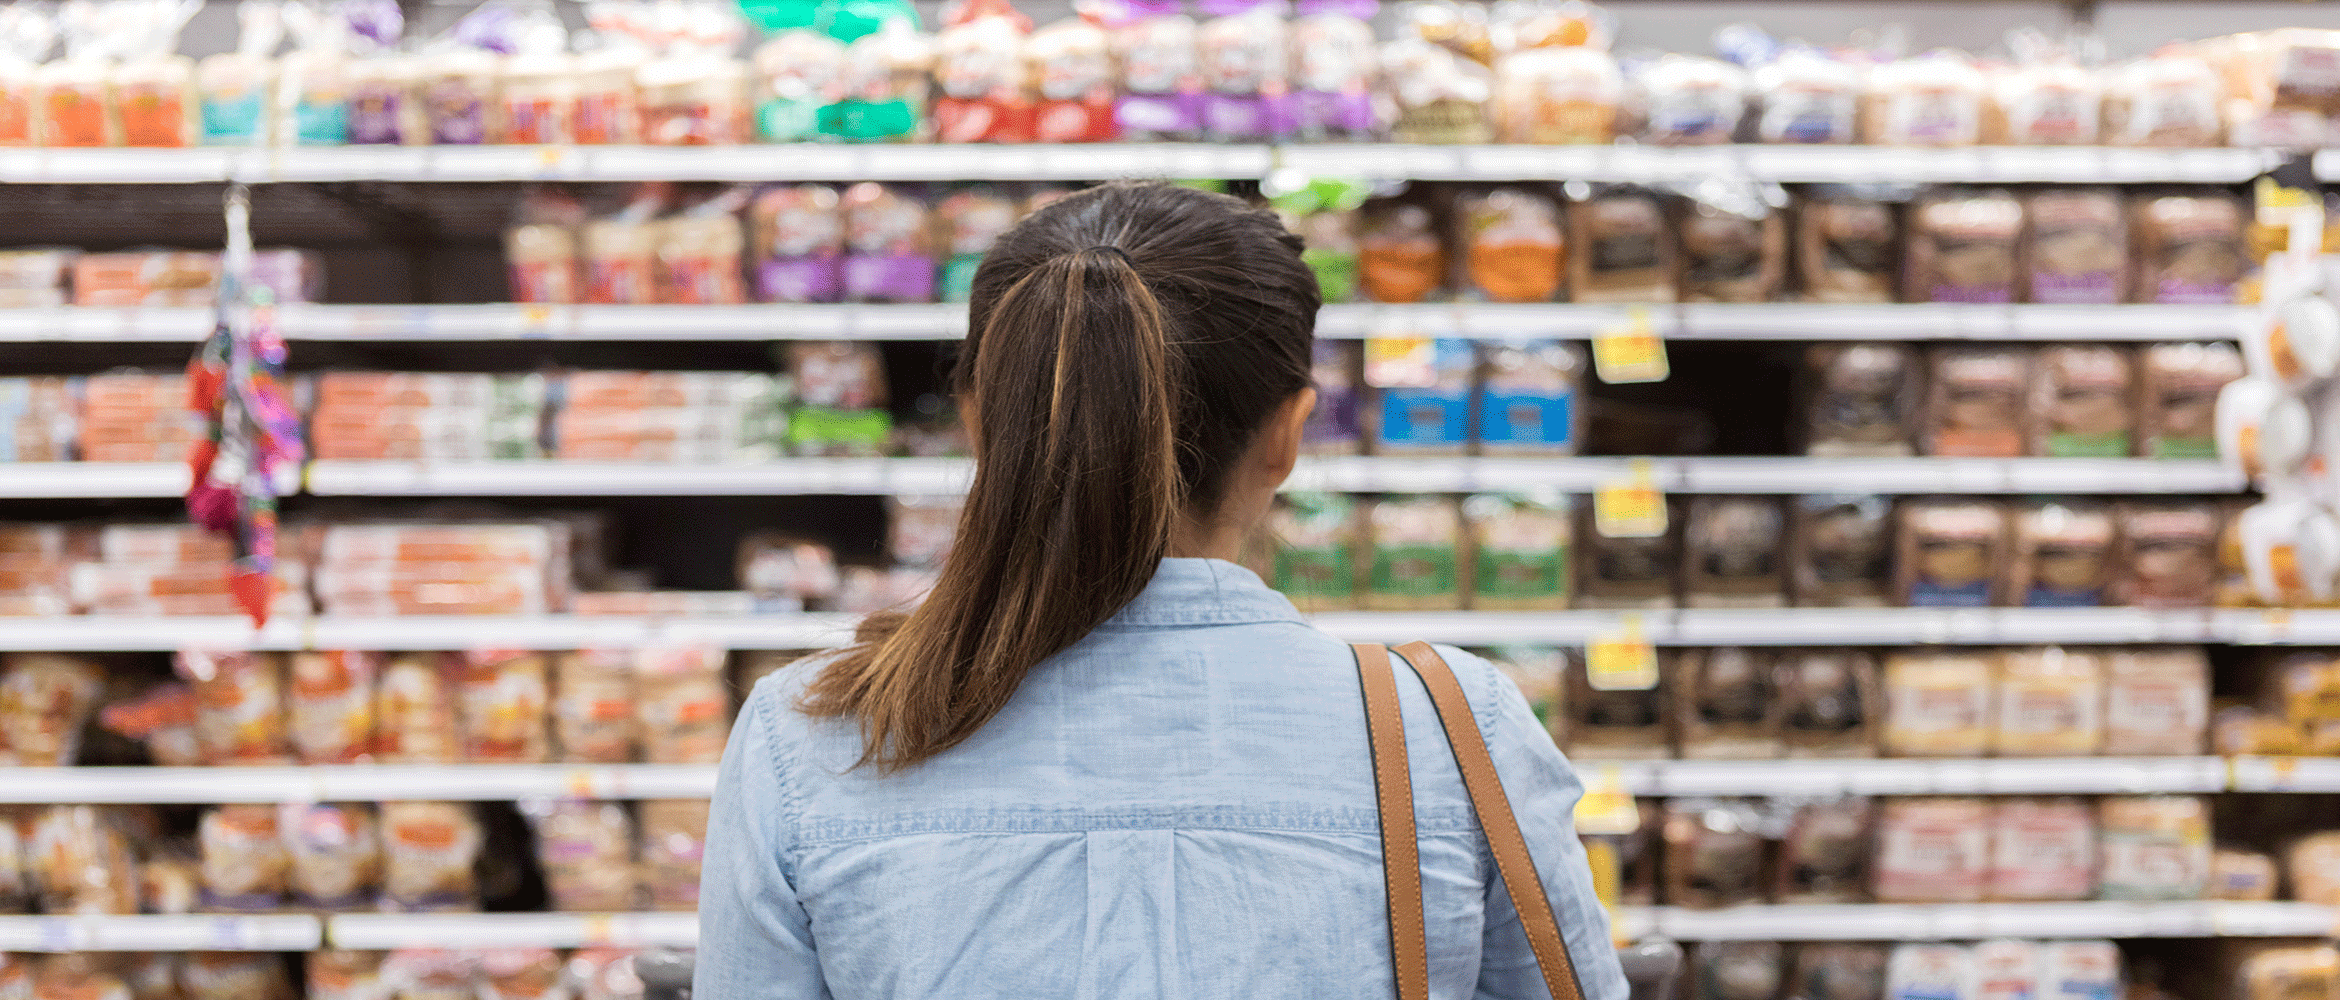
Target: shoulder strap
[(1512, 860), (1393, 788)]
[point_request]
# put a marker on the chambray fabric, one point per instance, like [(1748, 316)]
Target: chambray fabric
[(1179, 806)]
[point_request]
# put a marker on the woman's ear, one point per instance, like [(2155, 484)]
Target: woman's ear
[(1279, 442)]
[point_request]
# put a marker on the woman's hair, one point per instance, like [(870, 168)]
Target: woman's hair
[(1124, 346)]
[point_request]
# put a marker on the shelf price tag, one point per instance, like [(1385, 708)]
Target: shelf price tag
[(1622, 660), (1631, 507), (1607, 807), (1400, 360), (1630, 351)]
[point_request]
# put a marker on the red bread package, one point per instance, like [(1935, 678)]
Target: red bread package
[(1932, 850), (979, 66)]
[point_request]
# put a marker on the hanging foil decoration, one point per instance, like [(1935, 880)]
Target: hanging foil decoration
[(236, 382)]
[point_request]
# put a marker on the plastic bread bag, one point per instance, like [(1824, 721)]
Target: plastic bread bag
[(430, 974), (1315, 542), (1609, 723), (45, 699), (1862, 400), (2077, 249), (1415, 554), (674, 842), (523, 974), (1963, 246), (1950, 552), (1738, 970), (2170, 98), (1399, 255), (889, 255), (2243, 876), (885, 86), (1071, 65), (1690, 100), (234, 975), (163, 718), (609, 105), (2189, 248), (334, 854), (78, 107), (1160, 79), (604, 974), (978, 68), (1848, 245), (921, 529), (2154, 847), (414, 711), (1938, 704), (838, 374), (796, 73), (1733, 242), (971, 221), (1519, 552), (1424, 389), (83, 976), (1932, 850), (1335, 69), (1624, 247), (154, 86), (501, 698), (1512, 244), (2047, 98), (310, 106), (1824, 858), (537, 93), (458, 87), (1839, 971), (428, 851), (593, 707), (621, 250), (2156, 701), (1830, 703), (799, 234), (1978, 405), (385, 101), (685, 709), (700, 253), (2086, 400), (786, 572), (237, 89), (244, 864), (542, 251), (1715, 853), (2006, 967), (1244, 57), (240, 706), (1807, 96), (1528, 403), (1627, 573), (1934, 99), (27, 33), (81, 863), (2064, 555), (2180, 383), (2050, 703), (1334, 427), (1558, 95), (1732, 553), (330, 714), (696, 93), (1726, 706), (587, 851), (1434, 96)]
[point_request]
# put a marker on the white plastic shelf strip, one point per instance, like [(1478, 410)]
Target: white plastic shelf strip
[(1771, 627), (1966, 922), (96, 480), (385, 931), (1897, 776), (828, 162), (1783, 321), (795, 476), (201, 932), (354, 783)]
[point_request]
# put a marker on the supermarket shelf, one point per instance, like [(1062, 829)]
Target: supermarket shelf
[(818, 162), (2285, 774), (830, 476), (354, 783), (1791, 321), (1955, 922), (2042, 776), (205, 932), (80, 480), (384, 931)]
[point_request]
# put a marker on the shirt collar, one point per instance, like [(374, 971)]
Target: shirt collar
[(1203, 592)]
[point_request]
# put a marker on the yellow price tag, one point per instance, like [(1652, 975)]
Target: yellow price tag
[(599, 929), (1631, 507), (1622, 660), (1630, 351), (2276, 201), (1607, 809), (1401, 362)]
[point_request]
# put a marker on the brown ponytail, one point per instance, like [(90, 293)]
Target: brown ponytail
[(1124, 345)]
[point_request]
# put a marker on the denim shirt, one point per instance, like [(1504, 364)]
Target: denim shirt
[(1180, 805)]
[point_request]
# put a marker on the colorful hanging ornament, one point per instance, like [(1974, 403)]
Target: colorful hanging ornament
[(236, 381)]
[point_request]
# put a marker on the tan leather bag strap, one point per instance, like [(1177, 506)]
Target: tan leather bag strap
[(1512, 860), (1393, 789)]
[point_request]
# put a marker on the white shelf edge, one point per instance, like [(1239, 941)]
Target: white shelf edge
[(385, 931), (190, 932), (1973, 921), (353, 783), (1912, 776)]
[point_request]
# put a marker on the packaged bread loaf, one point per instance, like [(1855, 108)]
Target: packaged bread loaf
[(1528, 401), (1558, 94), (1512, 244), (1934, 99), (1399, 255), (1244, 61), (587, 850), (684, 708), (414, 711), (1963, 247), (2007, 968), (799, 234), (239, 705), (80, 862), (2288, 973), (1951, 553), (244, 864), (1840, 551), (2177, 417), (2077, 249), (971, 220), (1690, 100), (1161, 89), (1071, 65), (1938, 704), (1608, 723), (1734, 249), (1626, 572), (889, 256), (674, 840), (522, 974), (2243, 876), (1436, 96), (45, 699), (1931, 972), (1316, 538), (1416, 551), (2046, 99), (2086, 401), (2156, 701), (341, 974), (1424, 391), (593, 705), (2050, 703), (1624, 247), (428, 849), (86, 976), (1932, 850), (2154, 847), (331, 716), (431, 974), (1726, 704), (1334, 426), (2170, 98), (1738, 970), (236, 975), (1824, 858), (1714, 853), (2063, 555), (2189, 247), (605, 973), (1839, 971), (1829, 703), (2042, 849), (2313, 862), (1519, 551), (333, 855), (1848, 245), (501, 698), (1977, 402), (1732, 555)]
